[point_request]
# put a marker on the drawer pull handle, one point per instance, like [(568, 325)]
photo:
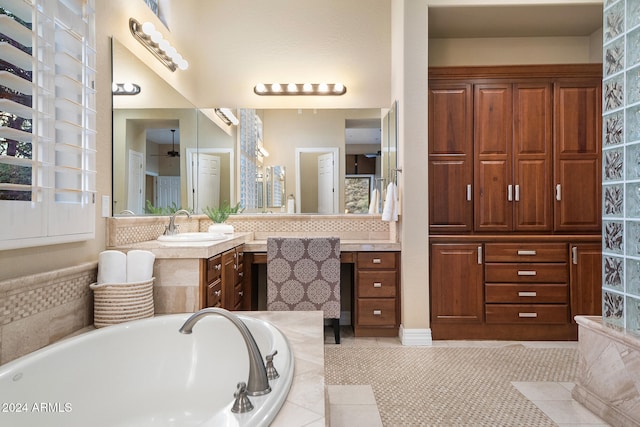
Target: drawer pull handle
[(218, 266), (376, 261), (217, 293), (377, 312), (528, 315), (240, 293), (526, 252), (240, 273), (526, 273), (377, 284), (527, 294)]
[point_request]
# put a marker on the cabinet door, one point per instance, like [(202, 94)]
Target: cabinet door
[(450, 157), (586, 279), (577, 156), (532, 156), (228, 279), (493, 194), (456, 283)]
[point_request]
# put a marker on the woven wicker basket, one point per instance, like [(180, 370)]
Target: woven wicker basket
[(115, 303)]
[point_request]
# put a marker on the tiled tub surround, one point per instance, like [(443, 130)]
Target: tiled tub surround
[(37, 310), (608, 377)]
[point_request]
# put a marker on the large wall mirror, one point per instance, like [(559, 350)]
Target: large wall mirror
[(170, 154)]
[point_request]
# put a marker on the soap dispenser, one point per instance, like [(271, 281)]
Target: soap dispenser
[(291, 204)]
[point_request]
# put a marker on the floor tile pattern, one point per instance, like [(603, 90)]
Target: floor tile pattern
[(451, 385)]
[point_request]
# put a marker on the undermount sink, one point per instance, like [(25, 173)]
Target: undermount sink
[(191, 237)]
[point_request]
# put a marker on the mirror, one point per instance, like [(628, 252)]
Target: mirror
[(167, 154), (142, 139)]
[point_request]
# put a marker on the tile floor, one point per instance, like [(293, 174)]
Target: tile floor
[(351, 405)]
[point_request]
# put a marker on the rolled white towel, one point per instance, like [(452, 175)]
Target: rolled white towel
[(390, 208), (112, 267), (139, 265), (375, 199)]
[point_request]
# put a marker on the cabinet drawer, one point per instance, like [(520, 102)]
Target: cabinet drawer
[(214, 268), (376, 312), (526, 273), (238, 294), (378, 260), (214, 294), (377, 284), (507, 292), (527, 313), (530, 252)]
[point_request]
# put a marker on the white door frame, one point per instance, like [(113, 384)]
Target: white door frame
[(192, 153), (318, 150), (135, 188)]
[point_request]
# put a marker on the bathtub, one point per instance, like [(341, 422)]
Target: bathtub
[(145, 373)]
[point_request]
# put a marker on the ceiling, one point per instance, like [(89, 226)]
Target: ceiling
[(577, 20)]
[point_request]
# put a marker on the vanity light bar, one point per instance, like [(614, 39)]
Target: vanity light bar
[(154, 42), (227, 116), (125, 89), (308, 89)]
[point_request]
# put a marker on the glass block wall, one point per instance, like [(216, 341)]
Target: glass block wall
[(621, 164)]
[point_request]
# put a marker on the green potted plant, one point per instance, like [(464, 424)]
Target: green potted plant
[(219, 215)]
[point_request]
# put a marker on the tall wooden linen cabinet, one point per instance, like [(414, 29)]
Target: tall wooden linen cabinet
[(514, 200)]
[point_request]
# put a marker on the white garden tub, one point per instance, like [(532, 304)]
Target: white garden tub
[(145, 373)]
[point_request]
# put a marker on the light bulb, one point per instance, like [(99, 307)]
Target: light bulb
[(292, 87), (338, 87), (323, 87), (128, 87), (156, 37), (183, 64), (275, 87), (171, 51), (114, 87), (260, 88), (148, 28), (307, 87), (164, 44)]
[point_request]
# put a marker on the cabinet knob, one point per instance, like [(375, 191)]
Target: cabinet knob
[(377, 312), (217, 293), (241, 273), (241, 293), (218, 266)]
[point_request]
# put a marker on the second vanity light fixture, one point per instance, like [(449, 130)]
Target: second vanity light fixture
[(154, 42), (308, 89)]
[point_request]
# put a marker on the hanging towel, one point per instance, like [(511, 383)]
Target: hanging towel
[(390, 209), (375, 199), (112, 267), (139, 266)]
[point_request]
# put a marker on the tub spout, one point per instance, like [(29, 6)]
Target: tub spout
[(258, 383)]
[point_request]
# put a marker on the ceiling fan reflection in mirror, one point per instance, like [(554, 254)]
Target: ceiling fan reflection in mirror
[(172, 152)]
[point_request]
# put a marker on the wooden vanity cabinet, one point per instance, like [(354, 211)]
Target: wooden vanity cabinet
[(377, 294), (214, 281), (225, 285)]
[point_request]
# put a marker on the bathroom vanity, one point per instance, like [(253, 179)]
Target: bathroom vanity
[(225, 273)]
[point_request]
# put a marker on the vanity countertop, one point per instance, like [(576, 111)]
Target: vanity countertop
[(212, 248)]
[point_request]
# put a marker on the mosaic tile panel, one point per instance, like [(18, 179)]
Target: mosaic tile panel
[(613, 25), (613, 308), (612, 236), (633, 277), (632, 164), (633, 314), (612, 200), (632, 85), (632, 198), (613, 57), (613, 164), (633, 13), (632, 238), (632, 124), (613, 272), (613, 93), (632, 48), (613, 129)]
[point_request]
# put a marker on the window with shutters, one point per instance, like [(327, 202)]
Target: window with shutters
[(47, 122)]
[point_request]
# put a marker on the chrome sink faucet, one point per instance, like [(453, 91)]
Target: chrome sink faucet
[(172, 228), (258, 383)]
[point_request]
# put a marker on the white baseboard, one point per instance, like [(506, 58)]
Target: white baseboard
[(415, 336)]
